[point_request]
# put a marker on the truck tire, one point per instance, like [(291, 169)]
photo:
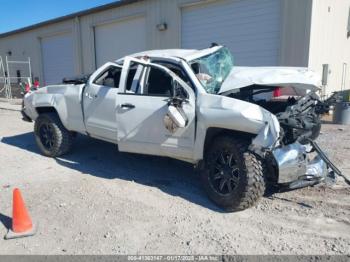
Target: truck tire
[(51, 136), (233, 176)]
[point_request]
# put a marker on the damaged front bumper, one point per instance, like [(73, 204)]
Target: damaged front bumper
[(301, 165), (25, 117)]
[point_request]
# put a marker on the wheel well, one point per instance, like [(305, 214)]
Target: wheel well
[(47, 109), (214, 132)]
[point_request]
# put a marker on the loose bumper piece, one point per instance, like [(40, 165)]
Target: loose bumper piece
[(294, 163)]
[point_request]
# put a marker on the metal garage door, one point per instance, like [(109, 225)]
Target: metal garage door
[(58, 58), (250, 28), (115, 40)]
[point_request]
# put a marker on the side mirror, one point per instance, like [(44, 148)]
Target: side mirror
[(177, 116), (175, 119)]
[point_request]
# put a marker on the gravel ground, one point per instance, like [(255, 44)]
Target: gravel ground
[(98, 201)]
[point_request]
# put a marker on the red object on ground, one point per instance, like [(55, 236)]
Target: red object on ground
[(27, 88), (36, 84), (21, 221), (277, 92)]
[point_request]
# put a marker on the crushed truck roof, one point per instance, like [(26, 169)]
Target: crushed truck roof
[(185, 54), (298, 77)]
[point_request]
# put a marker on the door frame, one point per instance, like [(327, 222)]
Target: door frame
[(125, 71), (191, 100), (84, 95)]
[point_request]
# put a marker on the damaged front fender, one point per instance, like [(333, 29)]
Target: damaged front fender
[(268, 136), (226, 113)]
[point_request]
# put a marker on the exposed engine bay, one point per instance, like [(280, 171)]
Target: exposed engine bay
[(298, 114)]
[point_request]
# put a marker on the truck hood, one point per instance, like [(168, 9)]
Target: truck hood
[(297, 77)]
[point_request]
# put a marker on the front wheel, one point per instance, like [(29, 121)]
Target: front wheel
[(51, 136), (233, 176)]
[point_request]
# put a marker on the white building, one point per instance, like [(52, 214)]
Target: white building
[(309, 33)]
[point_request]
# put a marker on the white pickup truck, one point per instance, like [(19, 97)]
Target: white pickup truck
[(243, 127)]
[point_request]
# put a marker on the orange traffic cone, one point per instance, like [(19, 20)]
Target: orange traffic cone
[(22, 225)]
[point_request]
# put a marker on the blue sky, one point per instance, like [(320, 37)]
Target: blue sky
[(20, 13)]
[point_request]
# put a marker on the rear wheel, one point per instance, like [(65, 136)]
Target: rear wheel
[(51, 136), (233, 176)]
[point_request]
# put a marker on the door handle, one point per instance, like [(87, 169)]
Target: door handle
[(91, 96), (127, 105)]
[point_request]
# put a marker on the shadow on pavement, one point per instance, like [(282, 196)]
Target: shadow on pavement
[(6, 221), (102, 159)]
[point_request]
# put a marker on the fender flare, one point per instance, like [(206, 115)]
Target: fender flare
[(54, 101)]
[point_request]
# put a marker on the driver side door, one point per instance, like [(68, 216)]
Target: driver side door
[(141, 114), (99, 102)]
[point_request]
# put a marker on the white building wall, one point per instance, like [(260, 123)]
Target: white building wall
[(154, 12), (251, 29), (89, 22), (295, 32), (28, 44), (329, 43), (293, 45)]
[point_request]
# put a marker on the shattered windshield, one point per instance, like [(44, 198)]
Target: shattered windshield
[(212, 70)]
